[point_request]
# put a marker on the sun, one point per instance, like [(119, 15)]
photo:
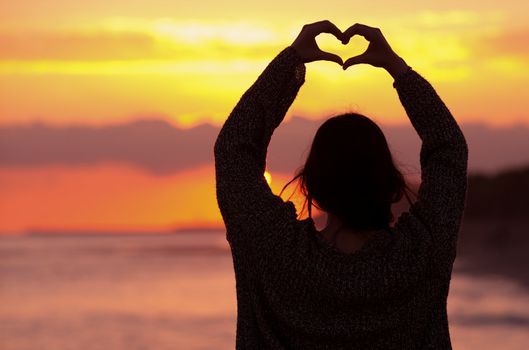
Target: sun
[(268, 177)]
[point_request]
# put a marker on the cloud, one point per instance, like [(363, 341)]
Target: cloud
[(153, 145), (150, 41), (160, 148), (447, 44), (514, 42), (99, 45)]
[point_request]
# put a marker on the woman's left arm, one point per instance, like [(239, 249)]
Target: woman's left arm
[(245, 200)]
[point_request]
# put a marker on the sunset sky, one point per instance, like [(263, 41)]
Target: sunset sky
[(103, 63)]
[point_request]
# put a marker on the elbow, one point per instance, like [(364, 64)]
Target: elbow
[(223, 143), (465, 150), (459, 147), (458, 158), (219, 148), (460, 152), (462, 147)]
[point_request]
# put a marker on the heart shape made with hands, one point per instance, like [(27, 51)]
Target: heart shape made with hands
[(378, 52), (329, 43)]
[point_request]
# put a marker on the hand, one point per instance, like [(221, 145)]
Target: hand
[(306, 46), (378, 53)]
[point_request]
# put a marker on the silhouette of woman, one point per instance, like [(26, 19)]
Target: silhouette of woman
[(380, 286)]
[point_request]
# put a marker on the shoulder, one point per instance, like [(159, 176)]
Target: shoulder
[(417, 245)]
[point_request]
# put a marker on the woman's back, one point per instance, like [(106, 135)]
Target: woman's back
[(294, 290), (346, 240)]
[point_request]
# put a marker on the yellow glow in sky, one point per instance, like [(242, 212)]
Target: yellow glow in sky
[(268, 177), (109, 63)]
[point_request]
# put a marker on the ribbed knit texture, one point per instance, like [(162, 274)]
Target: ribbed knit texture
[(294, 290)]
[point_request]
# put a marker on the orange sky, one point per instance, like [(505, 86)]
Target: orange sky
[(110, 198), (101, 62)]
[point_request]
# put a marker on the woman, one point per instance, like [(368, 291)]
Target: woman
[(380, 286)]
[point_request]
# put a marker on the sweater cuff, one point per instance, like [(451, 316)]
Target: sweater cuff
[(402, 77), (293, 59), (293, 55)]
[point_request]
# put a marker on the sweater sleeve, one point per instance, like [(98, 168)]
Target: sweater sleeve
[(245, 200), (443, 158)]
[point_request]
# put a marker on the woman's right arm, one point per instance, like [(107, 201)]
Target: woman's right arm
[(444, 152)]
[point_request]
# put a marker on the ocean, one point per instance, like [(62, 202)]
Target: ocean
[(177, 291)]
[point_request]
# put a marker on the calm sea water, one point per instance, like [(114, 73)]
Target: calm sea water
[(178, 292)]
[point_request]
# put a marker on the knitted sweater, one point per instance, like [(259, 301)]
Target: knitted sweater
[(296, 291)]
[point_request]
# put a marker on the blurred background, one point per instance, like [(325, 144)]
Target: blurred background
[(110, 235)]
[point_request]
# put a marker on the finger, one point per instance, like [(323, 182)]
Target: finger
[(349, 32), (355, 60), (327, 56), (369, 33), (325, 27), (330, 28)]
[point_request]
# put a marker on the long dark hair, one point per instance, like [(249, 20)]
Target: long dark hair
[(350, 173)]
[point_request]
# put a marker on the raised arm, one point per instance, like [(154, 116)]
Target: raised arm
[(444, 153), (243, 195), (443, 159), (245, 200)]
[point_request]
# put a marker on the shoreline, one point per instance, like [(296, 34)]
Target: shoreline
[(494, 247)]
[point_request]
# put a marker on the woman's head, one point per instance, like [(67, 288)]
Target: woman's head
[(350, 173)]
